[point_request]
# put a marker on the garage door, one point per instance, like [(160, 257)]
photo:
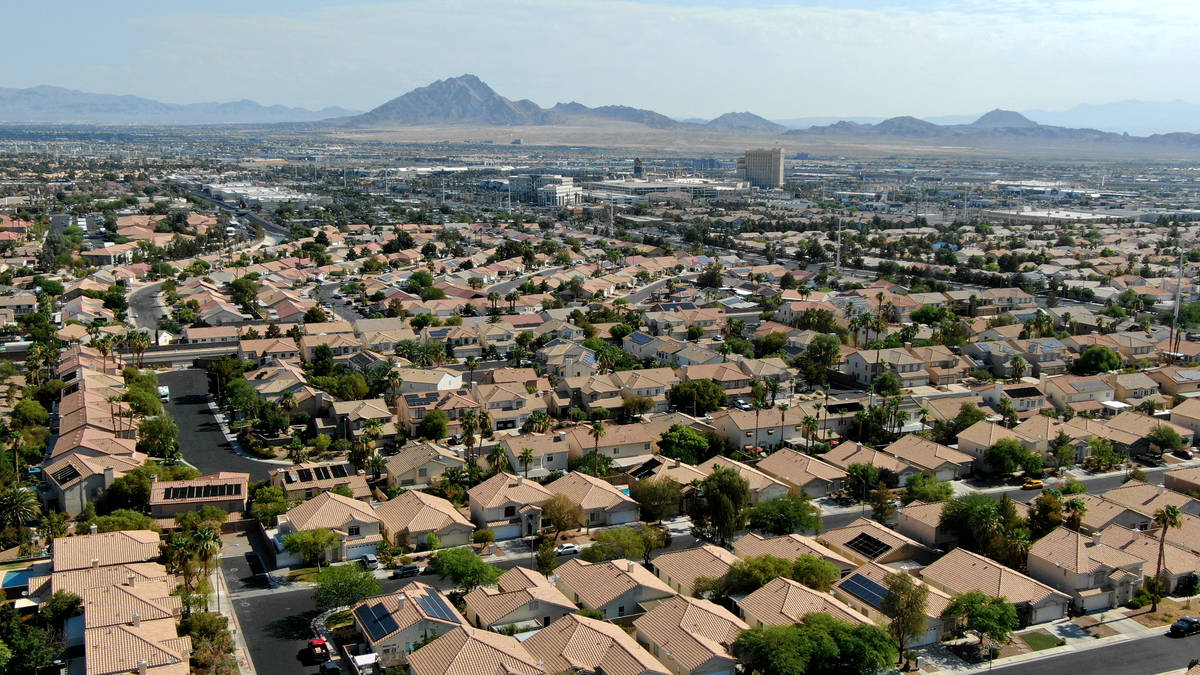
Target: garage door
[(356, 552), (945, 474), (622, 517), (507, 531)]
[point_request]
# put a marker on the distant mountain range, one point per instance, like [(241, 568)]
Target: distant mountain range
[(467, 100), (55, 105)]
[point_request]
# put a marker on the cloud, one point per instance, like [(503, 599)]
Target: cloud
[(684, 58)]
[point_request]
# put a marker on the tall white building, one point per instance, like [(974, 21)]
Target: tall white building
[(763, 168)]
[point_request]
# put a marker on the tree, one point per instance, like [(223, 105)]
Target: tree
[(341, 585), (465, 568), (864, 475), (636, 406), (886, 384), (819, 645), (928, 489), (657, 497), (721, 505), (786, 514), (526, 458), (1005, 455), (596, 431), (818, 358), (1074, 509), (1165, 438), (816, 573), (1045, 515), (615, 543), (18, 505), (1097, 359), (434, 425), (698, 396), (158, 437), (562, 514), (29, 413), (745, 576), (1165, 518), (310, 545), (905, 605), (546, 558), (977, 611), (684, 444), (882, 509), (1019, 366)]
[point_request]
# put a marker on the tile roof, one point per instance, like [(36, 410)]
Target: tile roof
[(926, 454), (472, 651), (842, 536), (590, 492), (108, 548), (494, 605), (329, 510), (505, 487), (799, 469), (789, 547), (598, 584), (416, 511), (694, 631), (784, 602), (1080, 553), (580, 644), (1144, 545), (1148, 499), (960, 571), (407, 607), (692, 563), (119, 648)]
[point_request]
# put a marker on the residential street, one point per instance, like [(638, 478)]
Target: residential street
[(1137, 657), (203, 444)]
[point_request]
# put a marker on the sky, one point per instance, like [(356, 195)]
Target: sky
[(683, 58)]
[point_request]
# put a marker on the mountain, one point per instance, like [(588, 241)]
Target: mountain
[(806, 122), (744, 122), (1003, 119), (567, 112), (457, 100), (56, 105), (1138, 118), (907, 126)]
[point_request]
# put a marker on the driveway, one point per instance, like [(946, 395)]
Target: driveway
[(203, 444)]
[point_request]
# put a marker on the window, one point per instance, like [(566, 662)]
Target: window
[(549, 458), (353, 530), (510, 511), (422, 472), (621, 611)]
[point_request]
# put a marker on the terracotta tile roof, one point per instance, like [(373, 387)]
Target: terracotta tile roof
[(415, 511), (986, 434), (960, 571), (842, 456), (757, 480), (926, 454), (598, 584), (77, 581), (119, 648), (116, 604), (577, 644), (591, 493), (614, 434), (934, 606), (329, 510), (1148, 499), (517, 578), (494, 605), (696, 632), (784, 602), (789, 547), (692, 563), (367, 409), (471, 651), (1078, 553), (842, 536), (505, 487), (798, 469), (405, 608), (1144, 545), (109, 548)]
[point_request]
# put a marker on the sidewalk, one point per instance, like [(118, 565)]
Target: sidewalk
[(225, 607)]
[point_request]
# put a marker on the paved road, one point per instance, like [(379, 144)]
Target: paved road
[(203, 444), (144, 302), (1149, 655)]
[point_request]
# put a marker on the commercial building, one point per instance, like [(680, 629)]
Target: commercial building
[(763, 168)]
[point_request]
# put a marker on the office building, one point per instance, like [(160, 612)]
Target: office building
[(762, 168)]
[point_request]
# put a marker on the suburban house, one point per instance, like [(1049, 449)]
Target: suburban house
[(864, 589), (466, 650), (351, 417), (614, 588), (579, 644), (522, 598), (690, 636), (1079, 393), (410, 517), (420, 464), (355, 524), (790, 547), (511, 506), (681, 569), (550, 452), (308, 479), (1177, 380), (934, 459), (960, 571), (803, 473), (865, 365), (393, 623), (783, 602), (845, 454), (1096, 576), (224, 490), (866, 541), (762, 486), (625, 444), (263, 350), (602, 503), (1179, 564)]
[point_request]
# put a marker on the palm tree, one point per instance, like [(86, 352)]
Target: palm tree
[(526, 459), (1018, 367), (376, 465), (498, 459), (485, 424), (493, 297), (103, 345), (469, 423), (372, 432), (18, 505), (810, 430), (772, 388), (472, 364), (783, 408), (512, 297), (596, 432), (1075, 510), (358, 453), (287, 401), (1165, 518)]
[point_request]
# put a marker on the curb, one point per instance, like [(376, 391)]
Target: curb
[(232, 440)]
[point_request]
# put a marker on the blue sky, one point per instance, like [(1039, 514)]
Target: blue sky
[(679, 57)]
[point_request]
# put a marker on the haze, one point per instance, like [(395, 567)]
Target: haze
[(681, 58)]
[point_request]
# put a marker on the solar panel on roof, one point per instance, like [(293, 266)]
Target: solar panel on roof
[(376, 621), (339, 470), (868, 546), (305, 475), (865, 589), (435, 606), (65, 474)]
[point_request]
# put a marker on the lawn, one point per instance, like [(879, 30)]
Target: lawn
[(338, 620), (304, 575), (1168, 612), (1039, 640)]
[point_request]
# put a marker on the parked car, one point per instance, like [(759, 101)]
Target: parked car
[(405, 571), (740, 404), (567, 549), (369, 561), (1185, 453), (319, 649), (329, 668), (1188, 625), (1033, 484)]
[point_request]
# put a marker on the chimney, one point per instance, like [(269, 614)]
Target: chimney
[(400, 603), (110, 474), (675, 462), (142, 666), (1095, 539), (562, 436), (95, 561), (629, 565), (137, 620), (92, 529)]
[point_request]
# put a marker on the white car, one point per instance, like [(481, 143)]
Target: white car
[(567, 549)]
